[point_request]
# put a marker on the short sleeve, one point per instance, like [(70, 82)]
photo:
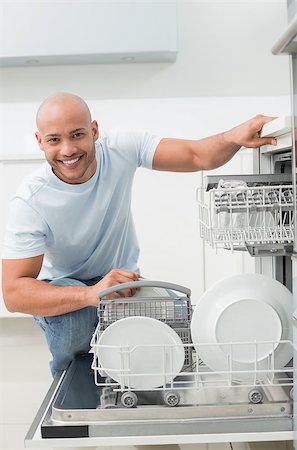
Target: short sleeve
[(137, 147), (26, 232), (148, 144)]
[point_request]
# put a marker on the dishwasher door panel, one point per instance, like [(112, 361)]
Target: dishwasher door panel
[(75, 394)]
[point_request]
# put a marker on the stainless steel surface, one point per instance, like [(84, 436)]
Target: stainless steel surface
[(74, 412), (270, 250), (161, 413), (194, 404)]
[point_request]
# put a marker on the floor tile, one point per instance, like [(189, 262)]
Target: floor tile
[(21, 401), (13, 436), (25, 363)]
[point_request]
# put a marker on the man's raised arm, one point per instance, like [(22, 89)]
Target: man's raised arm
[(182, 155)]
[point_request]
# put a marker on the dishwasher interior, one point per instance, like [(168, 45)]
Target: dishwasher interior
[(89, 403)]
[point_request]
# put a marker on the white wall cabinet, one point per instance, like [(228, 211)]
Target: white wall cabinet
[(87, 32)]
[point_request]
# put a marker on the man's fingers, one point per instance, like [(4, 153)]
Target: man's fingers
[(118, 277), (125, 273), (258, 142), (269, 141), (122, 276), (265, 119), (111, 296)]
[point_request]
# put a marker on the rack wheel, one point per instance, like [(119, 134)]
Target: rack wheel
[(129, 399), (171, 398), (255, 396), (108, 380)]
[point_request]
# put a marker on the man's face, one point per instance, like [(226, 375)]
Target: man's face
[(67, 136)]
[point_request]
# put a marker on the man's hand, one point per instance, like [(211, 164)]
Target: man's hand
[(247, 134), (116, 276)]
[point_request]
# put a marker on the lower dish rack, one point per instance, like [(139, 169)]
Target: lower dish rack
[(259, 219), (190, 386), (231, 382)]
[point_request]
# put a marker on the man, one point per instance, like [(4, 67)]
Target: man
[(71, 234)]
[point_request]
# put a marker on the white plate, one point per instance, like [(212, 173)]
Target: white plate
[(148, 347), (243, 308)]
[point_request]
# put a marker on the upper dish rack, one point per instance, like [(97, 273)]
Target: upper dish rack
[(254, 218)]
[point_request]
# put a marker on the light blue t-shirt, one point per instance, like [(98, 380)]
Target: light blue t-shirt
[(84, 230)]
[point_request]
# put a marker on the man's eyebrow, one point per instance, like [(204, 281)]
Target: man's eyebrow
[(76, 130), (70, 132), (52, 134)]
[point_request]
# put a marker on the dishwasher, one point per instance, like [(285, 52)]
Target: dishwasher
[(85, 406), (88, 406)]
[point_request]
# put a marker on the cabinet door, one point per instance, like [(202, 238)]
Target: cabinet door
[(11, 175)]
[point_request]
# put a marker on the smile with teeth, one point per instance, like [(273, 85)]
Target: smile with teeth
[(71, 162)]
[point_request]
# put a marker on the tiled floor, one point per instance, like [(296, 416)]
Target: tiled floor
[(25, 379)]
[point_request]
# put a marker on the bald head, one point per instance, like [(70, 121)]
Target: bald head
[(62, 104), (67, 135)]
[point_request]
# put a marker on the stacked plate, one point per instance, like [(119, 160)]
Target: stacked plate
[(140, 352), (238, 324)]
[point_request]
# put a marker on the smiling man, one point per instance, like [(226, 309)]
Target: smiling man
[(70, 232), (70, 146)]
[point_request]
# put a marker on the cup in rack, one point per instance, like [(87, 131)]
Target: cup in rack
[(231, 196)]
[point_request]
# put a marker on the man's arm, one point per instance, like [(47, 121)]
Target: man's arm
[(181, 155), (23, 293)]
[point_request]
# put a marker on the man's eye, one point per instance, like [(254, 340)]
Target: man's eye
[(77, 135), (53, 140)]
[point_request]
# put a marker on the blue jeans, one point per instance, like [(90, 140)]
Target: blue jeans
[(69, 334)]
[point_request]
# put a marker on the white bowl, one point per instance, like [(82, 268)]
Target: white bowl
[(250, 311)]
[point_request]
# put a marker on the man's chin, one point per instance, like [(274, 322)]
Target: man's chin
[(68, 178)]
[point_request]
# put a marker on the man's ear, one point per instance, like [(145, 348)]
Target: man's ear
[(95, 130), (39, 140)]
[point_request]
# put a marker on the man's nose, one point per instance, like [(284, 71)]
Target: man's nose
[(67, 148)]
